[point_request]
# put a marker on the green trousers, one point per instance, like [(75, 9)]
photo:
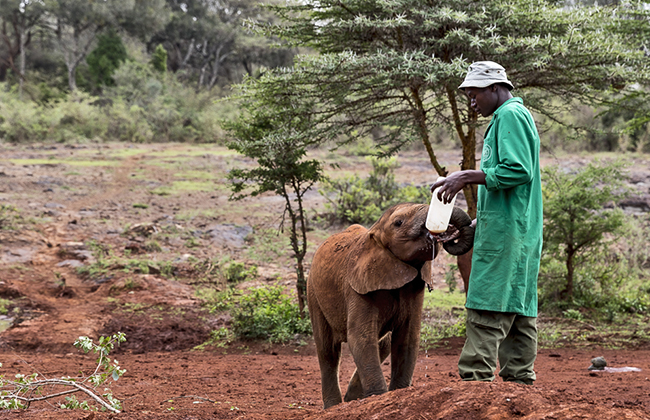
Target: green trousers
[(509, 338)]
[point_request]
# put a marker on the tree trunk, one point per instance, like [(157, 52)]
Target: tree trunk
[(419, 114), (201, 77), (567, 293), (298, 249), (21, 62), (72, 80), (469, 161), (216, 65)]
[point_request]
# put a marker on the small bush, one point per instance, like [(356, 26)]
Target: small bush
[(237, 272), (356, 200), (264, 313), (268, 314)]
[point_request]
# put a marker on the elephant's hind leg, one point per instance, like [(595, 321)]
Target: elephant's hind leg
[(355, 390), (329, 358)]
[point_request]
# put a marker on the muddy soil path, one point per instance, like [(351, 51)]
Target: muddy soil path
[(64, 206)]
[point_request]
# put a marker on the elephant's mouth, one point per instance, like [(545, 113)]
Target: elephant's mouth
[(449, 235)]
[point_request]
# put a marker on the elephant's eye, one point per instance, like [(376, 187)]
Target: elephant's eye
[(398, 223)]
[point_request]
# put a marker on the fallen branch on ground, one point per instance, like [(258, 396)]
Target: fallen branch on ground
[(20, 393)]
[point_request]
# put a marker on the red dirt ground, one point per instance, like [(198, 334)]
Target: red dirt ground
[(164, 321)]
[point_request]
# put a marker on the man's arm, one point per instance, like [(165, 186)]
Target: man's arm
[(455, 182)]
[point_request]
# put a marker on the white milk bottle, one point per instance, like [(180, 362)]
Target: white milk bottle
[(439, 212)]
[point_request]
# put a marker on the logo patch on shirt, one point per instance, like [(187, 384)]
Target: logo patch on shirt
[(487, 153)]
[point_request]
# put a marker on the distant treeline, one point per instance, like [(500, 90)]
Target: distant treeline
[(159, 70), (145, 70)]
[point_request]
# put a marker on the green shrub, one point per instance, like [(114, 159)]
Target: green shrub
[(21, 121), (264, 313), (236, 272), (356, 200), (142, 105), (450, 277), (268, 314), (159, 59)]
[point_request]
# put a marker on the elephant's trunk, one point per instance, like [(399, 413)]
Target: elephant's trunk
[(465, 240)]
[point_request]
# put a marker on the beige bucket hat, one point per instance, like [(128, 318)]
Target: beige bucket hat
[(485, 73)]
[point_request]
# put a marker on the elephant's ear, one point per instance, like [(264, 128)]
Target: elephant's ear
[(373, 267), (427, 273)]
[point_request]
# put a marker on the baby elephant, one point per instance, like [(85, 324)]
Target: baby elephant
[(366, 288)]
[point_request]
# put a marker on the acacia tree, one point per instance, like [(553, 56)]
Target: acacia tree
[(279, 146), (396, 64)]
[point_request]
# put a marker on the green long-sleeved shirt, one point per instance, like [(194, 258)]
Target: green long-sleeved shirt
[(508, 240)]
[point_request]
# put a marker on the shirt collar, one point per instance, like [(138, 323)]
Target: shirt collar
[(511, 100)]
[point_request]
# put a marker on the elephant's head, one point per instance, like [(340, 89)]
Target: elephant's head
[(391, 253)]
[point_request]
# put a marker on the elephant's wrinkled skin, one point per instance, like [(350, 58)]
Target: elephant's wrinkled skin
[(366, 287)]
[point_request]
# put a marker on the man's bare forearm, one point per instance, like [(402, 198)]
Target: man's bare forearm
[(455, 182)]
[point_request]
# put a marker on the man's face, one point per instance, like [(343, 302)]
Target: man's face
[(483, 100)]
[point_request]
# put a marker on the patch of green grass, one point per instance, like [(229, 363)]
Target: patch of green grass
[(439, 299), (433, 331), (443, 317), (10, 217), (140, 206), (171, 165), (192, 242), (627, 332), (220, 337), (193, 186), (126, 153), (4, 306), (133, 307), (92, 163), (180, 187)]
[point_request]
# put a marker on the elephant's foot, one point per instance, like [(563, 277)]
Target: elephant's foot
[(355, 390), (328, 404)]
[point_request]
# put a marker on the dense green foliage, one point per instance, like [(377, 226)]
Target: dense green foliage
[(58, 53), (159, 59), (106, 58)]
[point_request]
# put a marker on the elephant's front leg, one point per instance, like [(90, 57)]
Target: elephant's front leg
[(406, 343), (363, 339)]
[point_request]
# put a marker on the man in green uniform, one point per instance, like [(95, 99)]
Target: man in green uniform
[(502, 293)]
